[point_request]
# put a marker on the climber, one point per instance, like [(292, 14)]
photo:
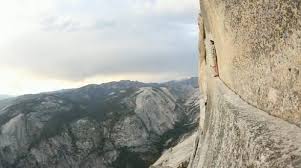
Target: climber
[(214, 65)]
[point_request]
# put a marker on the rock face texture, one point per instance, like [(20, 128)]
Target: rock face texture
[(237, 134), (258, 45), (177, 156), (115, 125), (253, 112)]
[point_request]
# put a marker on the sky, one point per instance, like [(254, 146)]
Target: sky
[(47, 45)]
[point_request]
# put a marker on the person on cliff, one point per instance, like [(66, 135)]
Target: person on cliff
[(214, 65)]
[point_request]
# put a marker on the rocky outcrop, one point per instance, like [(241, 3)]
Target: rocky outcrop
[(177, 156), (250, 63), (237, 134), (120, 124), (257, 45)]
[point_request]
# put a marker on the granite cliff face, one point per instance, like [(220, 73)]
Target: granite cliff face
[(120, 124), (177, 156), (249, 73), (180, 151)]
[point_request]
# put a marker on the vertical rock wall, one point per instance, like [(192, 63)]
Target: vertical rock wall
[(253, 113), (259, 51)]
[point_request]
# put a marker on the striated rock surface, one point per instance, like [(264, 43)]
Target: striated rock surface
[(177, 156), (258, 47), (237, 134), (250, 63), (114, 125)]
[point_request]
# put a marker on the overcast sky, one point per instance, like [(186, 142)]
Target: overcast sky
[(53, 44)]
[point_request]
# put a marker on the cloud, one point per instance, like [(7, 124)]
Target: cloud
[(74, 40)]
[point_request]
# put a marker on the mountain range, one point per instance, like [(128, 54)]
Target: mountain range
[(125, 124), (4, 97)]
